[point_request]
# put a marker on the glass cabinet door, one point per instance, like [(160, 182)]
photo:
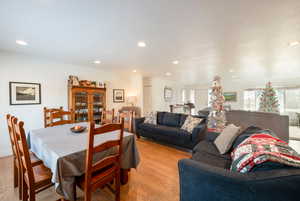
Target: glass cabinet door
[(81, 106), (97, 107)]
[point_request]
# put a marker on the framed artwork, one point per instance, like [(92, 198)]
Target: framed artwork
[(230, 96), (168, 93), (118, 95), (22, 93)]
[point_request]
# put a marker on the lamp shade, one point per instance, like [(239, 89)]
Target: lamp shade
[(131, 100)]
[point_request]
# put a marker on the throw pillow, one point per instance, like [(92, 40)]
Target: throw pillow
[(151, 118), (226, 138), (190, 123)]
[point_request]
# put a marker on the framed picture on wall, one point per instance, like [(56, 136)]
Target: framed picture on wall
[(168, 94), (230, 96), (23, 93), (118, 95)]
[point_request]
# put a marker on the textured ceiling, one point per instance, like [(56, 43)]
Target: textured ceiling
[(208, 37)]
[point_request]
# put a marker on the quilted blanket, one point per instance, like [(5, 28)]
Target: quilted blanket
[(260, 148)]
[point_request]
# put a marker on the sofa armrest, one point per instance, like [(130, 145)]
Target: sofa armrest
[(200, 181), (136, 123), (198, 133)]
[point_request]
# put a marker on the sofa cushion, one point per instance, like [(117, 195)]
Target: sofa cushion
[(206, 152), (205, 147), (165, 130), (226, 138), (160, 117), (171, 119)]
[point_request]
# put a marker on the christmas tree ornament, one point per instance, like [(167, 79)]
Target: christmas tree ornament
[(268, 100), (217, 118)]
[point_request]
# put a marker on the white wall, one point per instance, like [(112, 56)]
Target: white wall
[(53, 79), (154, 94)]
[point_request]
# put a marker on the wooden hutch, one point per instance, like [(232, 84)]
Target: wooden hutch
[(87, 103)]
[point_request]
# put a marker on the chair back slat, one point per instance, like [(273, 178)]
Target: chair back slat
[(105, 146), (47, 112), (61, 116), (23, 150), (107, 128), (107, 116), (109, 163)]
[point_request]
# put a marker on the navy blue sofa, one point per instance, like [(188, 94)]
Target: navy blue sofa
[(168, 130), (207, 177)]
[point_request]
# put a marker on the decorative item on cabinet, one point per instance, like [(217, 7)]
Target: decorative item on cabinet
[(74, 81)]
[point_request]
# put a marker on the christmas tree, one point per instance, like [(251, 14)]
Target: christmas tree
[(268, 100), (217, 118)]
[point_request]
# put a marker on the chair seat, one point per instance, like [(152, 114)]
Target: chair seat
[(42, 176), (34, 159), (102, 177)]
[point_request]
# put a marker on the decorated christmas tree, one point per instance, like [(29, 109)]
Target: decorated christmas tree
[(268, 100), (217, 118)]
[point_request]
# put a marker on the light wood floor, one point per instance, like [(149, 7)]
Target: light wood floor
[(155, 179)]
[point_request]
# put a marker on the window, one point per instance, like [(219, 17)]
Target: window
[(183, 95), (292, 100), (252, 99), (192, 96), (208, 97), (288, 99)]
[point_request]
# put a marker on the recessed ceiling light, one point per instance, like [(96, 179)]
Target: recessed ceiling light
[(231, 70), (168, 74), (97, 62), (134, 71), (175, 62), (294, 43), (21, 42), (141, 44)]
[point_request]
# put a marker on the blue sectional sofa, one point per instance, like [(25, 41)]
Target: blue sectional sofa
[(207, 176), (168, 130)]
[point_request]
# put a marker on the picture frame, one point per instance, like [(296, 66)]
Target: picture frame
[(24, 93), (118, 95), (168, 94), (230, 96)]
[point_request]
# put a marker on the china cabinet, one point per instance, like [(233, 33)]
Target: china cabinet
[(87, 103)]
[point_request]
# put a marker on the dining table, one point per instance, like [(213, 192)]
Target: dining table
[(64, 152)]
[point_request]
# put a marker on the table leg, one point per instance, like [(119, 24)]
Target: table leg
[(124, 176)]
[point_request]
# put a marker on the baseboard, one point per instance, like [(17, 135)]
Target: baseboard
[(4, 157)]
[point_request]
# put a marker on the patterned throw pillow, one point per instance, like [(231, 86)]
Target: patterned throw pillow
[(190, 123), (151, 118)]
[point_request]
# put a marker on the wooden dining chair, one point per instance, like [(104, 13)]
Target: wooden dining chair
[(108, 116), (16, 163), (59, 118), (47, 112), (35, 177), (127, 116), (103, 172)]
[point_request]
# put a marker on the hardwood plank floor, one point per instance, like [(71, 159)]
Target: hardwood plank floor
[(155, 179)]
